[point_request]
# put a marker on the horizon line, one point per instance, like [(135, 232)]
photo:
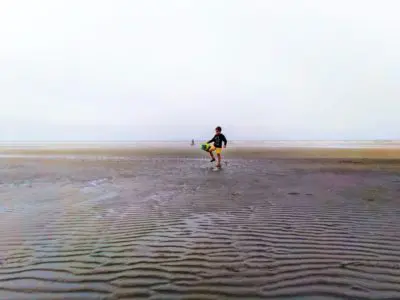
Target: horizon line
[(189, 140)]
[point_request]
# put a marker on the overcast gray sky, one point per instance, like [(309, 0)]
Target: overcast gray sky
[(157, 69)]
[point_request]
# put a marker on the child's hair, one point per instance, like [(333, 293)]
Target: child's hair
[(218, 128)]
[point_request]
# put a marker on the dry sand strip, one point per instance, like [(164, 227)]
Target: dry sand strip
[(361, 158), (172, 229), (231, 152)]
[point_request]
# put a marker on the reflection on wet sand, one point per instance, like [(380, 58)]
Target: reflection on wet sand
[(150, 226)]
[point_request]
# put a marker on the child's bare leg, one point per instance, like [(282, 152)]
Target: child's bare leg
[(219, 160), (212, 156)]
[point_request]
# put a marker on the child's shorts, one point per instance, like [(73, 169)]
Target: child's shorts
[(217, 150)]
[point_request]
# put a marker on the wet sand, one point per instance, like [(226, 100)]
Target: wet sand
[(160, 224)]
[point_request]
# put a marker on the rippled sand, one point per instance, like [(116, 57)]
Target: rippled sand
[(149, 227)]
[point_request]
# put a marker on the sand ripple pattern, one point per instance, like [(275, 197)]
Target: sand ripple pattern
[(173, 229)]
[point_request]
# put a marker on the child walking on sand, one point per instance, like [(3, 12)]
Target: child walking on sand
[(218, 139)]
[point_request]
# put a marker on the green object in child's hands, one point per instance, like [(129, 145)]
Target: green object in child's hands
[(205, 147)]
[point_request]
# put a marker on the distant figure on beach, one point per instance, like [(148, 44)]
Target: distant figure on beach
[(192, 143), (218, 139)]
